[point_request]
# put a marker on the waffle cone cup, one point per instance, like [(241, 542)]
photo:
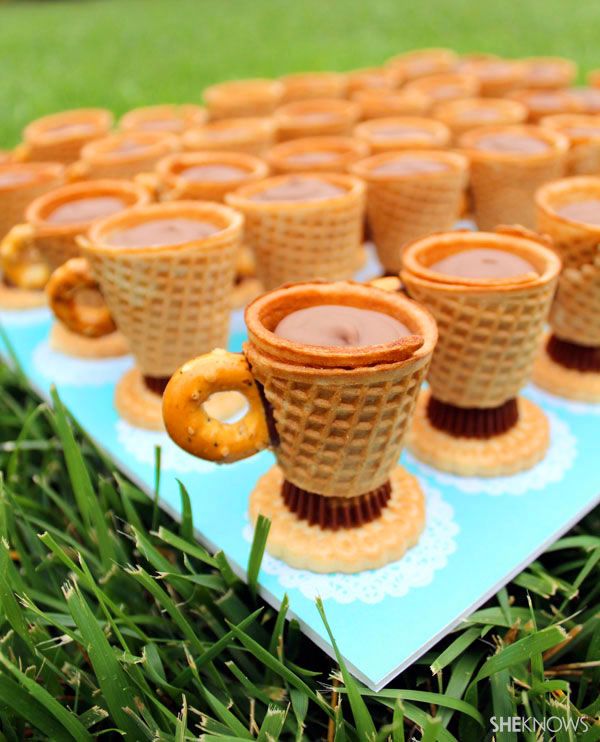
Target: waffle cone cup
[(549, 73), (402, 208), (378, 103), (541, 103), (110, 157), (575, 314), (316, 117), (303, 240), (57, 243), (172, 118), (172, 186), (258, 97), (576, 242), (583, 133), (340, 414), (15, 197), (422, 62), (465, 114), (503, 184), (300, 155), (447, 86), (173, 301), (489, 331), (497, 76), (251, 135), (44, 140), (307, 85), (417, 133), (373, 78)]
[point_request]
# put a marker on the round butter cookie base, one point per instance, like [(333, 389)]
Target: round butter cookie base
[(347, 550), (518, 449)]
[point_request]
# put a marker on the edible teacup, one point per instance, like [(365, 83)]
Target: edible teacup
[(490, 294), (334, 408), (569, 361), (123, 155), (508, 165), (254, 97), (315, 117), (166, 272), (402, 132), (170, 118), (307, 85), (316, 154), (583, 133), (302, 226), (411, 194), (53, 223), (251, 135), (21, 183), (60, 137)]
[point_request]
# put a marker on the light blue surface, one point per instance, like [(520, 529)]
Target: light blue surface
[(480, 533)]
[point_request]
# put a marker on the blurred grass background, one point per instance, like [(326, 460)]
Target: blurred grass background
[(125, 53)]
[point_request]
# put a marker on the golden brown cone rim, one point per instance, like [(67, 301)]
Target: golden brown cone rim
[(509, 239), (449, 110), (457, 163), (106, 148), (136, 194), (242, 197), (42, 171), (559, 144), (255, 168), (344, 147), (290, 297), (37, 131), (231, 221), (564, 186), (560, 121), (366, 128)]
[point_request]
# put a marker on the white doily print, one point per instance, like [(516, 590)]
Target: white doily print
[(72, 371), (141, 444), (570, 405), (416, 568), (24, 317), (557, 461)]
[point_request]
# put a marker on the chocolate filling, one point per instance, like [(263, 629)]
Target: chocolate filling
[(157, 384), (333, 513), (269, 416), (584, 358), (472, 422)]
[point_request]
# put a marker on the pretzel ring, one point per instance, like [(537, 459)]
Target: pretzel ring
[(62, 289), (21, 261), (190, 426)]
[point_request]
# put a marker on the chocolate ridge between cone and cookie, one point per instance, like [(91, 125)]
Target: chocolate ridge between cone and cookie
[(584, 358), (333, 513), (156, 384), (472, 422)]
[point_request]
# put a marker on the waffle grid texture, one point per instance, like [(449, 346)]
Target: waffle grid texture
[(340, 433), (14, 201), (576, 243), (297, 244), (487, 341), (402, 211), (503, 191), (171, 304), (575, 314)]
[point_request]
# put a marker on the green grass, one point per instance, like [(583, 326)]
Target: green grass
[(112, 618), (124, 53)]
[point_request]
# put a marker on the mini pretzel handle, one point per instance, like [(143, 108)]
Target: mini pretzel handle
[(65, 283), (78, 170), (151, 182), (192, 428), (387, 283), (21, 261)]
